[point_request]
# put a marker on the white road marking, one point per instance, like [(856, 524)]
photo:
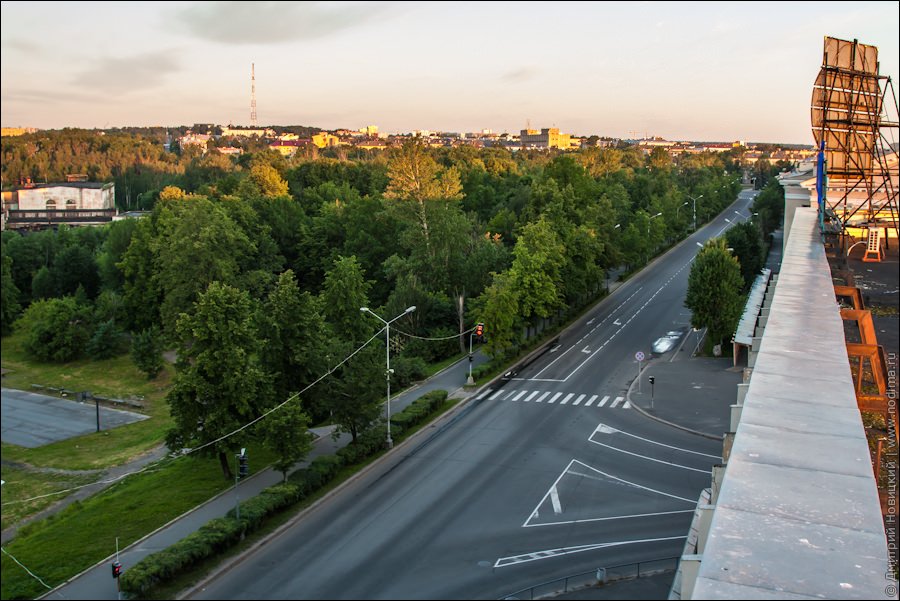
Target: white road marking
[(554, 498), (549, 553), (532, 395), (586, 350), (618, 400), (591, 400), (622, 304), (603, 401), (604, 429), (520, 395), (566, 400), (555, 396), (615, 517), (507, 397), (495, 395), (627, 405), (483, 394), (678, 465), (542, 397), (579, 399)]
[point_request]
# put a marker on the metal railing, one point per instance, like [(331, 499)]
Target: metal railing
[(600, 576)]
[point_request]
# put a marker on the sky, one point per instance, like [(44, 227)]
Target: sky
[(704, 71)]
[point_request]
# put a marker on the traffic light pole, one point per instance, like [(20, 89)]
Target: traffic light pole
[(237, 501), (471, 380)]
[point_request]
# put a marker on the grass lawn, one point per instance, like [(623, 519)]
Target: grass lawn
[(23, 484), (84, 533)]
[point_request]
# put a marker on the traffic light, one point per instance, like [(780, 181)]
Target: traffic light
[(116, 569), (243, 469), (652, 380), (479, 330)]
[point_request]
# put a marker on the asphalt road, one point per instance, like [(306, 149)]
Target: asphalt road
[(32, 420), (550, 474)]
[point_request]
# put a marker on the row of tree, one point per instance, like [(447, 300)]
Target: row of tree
[(255, 271)]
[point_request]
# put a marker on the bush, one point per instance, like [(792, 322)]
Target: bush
[(56, 329), (106, 342), (408, 370)]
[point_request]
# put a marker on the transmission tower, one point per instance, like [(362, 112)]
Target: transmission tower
[(253, 94)]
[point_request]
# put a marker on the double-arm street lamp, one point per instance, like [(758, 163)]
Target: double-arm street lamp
[(387, 350), (695, 209)]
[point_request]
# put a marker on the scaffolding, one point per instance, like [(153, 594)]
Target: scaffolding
[(854, 122)]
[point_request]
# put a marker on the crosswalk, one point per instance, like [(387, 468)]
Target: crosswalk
[(573, 399)]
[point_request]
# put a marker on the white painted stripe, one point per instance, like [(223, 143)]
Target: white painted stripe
[(627, 405), (547, 494), (566, 400), (555, 396), (603, 401), (618, 400), (483, 394), (653, 490), (614, 517), (684, 467), (542, 397), (551, 553), (533, 394), (496, 394), (520, 395), (554, 498), (579, 399), (604, 429), (591, 400)]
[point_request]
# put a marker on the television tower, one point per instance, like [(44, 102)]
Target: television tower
[(253, 94)]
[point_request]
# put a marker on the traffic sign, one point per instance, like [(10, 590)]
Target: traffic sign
[(639, 355)]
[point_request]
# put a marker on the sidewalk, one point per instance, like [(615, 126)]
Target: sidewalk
[(693, 393), (95, 582)]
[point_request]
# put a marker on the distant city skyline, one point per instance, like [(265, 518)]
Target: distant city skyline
[(716, 71)]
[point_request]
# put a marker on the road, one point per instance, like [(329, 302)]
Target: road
[(548, 475)]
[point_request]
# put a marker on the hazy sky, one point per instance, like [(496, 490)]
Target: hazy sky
[(681, 70)]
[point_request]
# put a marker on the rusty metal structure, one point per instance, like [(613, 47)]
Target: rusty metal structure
[(854, 122)]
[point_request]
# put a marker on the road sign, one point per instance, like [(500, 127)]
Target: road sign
[(639, 355)]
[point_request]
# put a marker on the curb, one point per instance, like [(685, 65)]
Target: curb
[(645, 413), (247, 553)]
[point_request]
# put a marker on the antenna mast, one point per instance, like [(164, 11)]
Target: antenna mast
[(253, 94)]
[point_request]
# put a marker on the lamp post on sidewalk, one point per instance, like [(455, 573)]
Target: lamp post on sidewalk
[(695, 209), (387, 350)]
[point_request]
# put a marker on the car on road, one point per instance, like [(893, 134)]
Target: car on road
[(667, 342)]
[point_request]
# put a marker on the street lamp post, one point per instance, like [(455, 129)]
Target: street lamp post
[(387, 350), (648, 222), (695, 209)]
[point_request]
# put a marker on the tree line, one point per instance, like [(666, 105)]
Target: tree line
[(254, 270)]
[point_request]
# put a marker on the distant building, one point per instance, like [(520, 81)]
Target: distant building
[(248, 132), (16, 131), (369, 130), (324, 140), (41, 206), (191, 139), (288, 148), (546, 138)]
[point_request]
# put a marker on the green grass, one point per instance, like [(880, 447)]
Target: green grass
[(436, 367), (22, 484), (84, 533)]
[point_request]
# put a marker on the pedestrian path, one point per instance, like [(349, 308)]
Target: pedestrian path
[(550, 397)]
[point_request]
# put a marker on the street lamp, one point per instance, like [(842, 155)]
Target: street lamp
[(678, 209), (387, 350), (648, 222), (695, 209)]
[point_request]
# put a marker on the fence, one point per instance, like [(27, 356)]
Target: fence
[(596, 577)]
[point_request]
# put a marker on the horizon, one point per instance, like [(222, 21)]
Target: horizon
[(677, 71)]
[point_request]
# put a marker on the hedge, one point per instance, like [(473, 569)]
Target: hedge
[(220, 534)]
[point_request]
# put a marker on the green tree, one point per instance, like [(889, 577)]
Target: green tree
[(268, 180), (745, 240), (285, 433), (9, 303), (293, 328), (219, 385), (147, 351), (56, 329), (354, 391), (499, 310), (714, 290), (106, 341), (539, 257), (42, 284)]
